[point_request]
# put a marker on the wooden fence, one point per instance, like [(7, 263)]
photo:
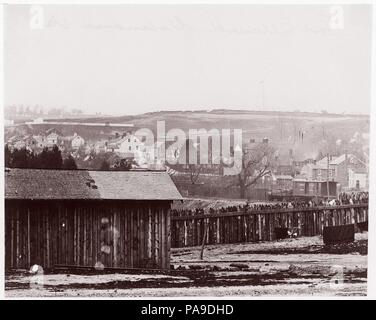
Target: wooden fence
[(253, 226)]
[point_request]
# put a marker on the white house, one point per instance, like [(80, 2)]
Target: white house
[(41, 141), (100, 146), (358, 178), (38, 120), (77, 142), (130, 144), (52, 139)]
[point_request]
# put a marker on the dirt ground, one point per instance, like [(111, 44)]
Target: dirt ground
[(291, 267)]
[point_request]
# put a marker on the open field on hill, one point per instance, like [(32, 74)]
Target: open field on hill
[(254, 124)]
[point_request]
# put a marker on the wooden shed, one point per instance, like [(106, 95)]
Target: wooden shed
[(88, 218), (314, 188)]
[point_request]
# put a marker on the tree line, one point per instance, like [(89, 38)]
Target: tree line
[(53, 159), (35, 111), (47, 159)]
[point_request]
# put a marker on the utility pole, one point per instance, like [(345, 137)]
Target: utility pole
[(262, 84), (327, 176)]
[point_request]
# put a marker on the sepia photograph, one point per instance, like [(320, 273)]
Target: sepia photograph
[(165, 151)]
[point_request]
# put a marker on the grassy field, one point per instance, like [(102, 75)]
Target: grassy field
[(274, 125)]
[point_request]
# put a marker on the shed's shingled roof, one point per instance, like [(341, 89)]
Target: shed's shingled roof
[(82, 184)]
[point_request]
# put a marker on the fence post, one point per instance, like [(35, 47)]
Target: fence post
[(218, 235), (206, 226)]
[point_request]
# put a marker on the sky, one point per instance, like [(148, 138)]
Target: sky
[(132, 59)]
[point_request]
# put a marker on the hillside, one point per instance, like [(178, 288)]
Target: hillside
[(300, 131)]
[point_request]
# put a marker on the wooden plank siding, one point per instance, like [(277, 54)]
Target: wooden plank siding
[(253, 226), (122, 234)]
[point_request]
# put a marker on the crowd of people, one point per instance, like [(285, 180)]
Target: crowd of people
[(343, 199), (353, 198)]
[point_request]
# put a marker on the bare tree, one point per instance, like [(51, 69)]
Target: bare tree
[(257, 162), (194, 172)]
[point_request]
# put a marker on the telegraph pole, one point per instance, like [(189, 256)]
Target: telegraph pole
[(327, 176), (262, 84)]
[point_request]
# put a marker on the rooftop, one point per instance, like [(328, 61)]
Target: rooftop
[(336, 160), (283, 176), (311, 180), (83, 184), (361, 170)]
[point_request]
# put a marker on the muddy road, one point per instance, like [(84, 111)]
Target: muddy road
[(288, 267)]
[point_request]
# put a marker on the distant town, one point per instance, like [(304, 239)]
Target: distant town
[(294, 169)]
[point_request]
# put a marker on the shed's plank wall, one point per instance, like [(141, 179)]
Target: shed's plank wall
[(85, 234)]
